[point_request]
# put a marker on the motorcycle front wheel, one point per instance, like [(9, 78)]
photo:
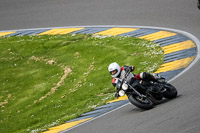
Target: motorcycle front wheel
[(141, 102)]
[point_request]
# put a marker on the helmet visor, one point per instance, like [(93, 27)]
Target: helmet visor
[(114, 72)]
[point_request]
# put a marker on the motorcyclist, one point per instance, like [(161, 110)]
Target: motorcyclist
[(118, 72)]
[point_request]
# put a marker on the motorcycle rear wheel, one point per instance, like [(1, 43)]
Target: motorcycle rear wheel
[(171, 92), (141, 102)]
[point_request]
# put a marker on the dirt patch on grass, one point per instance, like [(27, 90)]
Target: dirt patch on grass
[(67, 71), (42, 59), (5, 101)]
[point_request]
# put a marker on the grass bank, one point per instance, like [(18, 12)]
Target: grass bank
[(47, 80)]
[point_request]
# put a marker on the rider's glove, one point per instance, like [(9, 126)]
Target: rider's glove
[(116, 95), (128, 69)]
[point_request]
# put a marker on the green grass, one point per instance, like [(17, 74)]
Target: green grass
[(35, 91)]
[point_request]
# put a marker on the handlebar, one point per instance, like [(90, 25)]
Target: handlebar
[(128, 70)]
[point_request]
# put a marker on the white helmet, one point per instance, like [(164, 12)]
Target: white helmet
[(114, 67)]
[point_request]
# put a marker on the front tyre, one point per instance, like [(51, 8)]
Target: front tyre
[(141, 102), (171, 91)]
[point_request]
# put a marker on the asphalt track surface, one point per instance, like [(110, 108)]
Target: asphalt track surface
[(180, 115)]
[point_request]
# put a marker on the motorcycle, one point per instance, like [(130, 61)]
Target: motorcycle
[(143, 93)]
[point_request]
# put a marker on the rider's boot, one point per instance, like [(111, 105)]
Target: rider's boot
[(148, 76)]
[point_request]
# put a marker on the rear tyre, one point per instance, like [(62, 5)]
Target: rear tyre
[(141, 102), (171, 91)]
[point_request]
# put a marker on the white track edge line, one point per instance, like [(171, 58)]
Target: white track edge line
[(94, 118)]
